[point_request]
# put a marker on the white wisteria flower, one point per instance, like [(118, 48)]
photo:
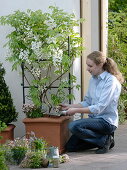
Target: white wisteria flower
[(36, 72), (51, 40), (57, 56)]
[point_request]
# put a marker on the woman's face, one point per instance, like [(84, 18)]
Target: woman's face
[(94, 69)]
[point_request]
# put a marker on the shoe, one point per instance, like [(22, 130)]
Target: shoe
[(112, 143), (109, 144), (102, 150)]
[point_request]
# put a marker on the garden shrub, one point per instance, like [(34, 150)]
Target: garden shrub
[(8, 112)]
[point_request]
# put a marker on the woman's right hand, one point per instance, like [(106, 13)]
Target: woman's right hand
[(64, 106)]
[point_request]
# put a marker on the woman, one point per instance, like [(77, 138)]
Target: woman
[(100, 103)]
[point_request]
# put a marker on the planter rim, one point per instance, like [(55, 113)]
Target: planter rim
[(47, 119)]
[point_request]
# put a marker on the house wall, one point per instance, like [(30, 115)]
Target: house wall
[(91, 34), (104, 26), (13, 79), (94, 32)]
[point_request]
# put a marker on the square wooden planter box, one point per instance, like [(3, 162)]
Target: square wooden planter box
[(53, 129), (7, 134)]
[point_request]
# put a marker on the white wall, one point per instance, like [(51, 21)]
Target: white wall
[(104, 26), (95, 25), (91, 34), (13, 79)]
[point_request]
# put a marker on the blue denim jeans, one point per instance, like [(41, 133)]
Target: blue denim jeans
[(90, 131)]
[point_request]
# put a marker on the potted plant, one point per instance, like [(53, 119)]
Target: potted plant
[(27, 153), (53, 129), (31, 153), (45, 45), (8, 113)]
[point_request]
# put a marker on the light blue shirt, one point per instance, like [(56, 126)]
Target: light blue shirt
[(102, 97)]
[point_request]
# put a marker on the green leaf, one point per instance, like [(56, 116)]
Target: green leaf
[(70, 96)]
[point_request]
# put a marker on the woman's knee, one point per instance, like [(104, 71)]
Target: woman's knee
[(73, 127)]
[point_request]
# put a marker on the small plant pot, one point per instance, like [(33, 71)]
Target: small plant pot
[(7, 134)]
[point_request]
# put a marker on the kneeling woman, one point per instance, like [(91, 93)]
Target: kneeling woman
[(100, 103)]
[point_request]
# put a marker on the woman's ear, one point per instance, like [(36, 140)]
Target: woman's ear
[(101, 65)]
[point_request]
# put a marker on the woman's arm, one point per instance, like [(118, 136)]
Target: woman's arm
[(72, 111), (67, 106)]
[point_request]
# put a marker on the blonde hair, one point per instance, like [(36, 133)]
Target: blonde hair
[(109, 64)]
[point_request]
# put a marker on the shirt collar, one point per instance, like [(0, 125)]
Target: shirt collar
[(101, 76)]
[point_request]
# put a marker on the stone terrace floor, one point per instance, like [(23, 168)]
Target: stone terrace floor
[(116, 159)]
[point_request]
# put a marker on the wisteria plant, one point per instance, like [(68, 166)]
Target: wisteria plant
[(46, 44)]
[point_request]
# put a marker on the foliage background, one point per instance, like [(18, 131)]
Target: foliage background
[(117, 46)]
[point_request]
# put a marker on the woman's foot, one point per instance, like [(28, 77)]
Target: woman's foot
[(112, 143), (109, 144)]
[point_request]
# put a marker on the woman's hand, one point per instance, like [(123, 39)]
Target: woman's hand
[(71, 111), (64, 106)]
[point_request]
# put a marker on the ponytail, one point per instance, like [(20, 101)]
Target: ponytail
[(111, 67)]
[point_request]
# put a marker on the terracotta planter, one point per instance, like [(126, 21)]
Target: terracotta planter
[(7, 134), (54, 130)]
